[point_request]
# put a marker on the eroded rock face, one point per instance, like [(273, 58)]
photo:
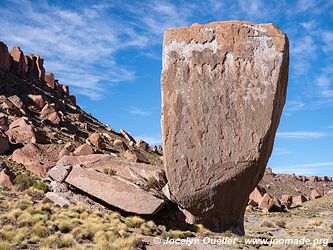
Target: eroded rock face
[(4, 57), (224, 88), (18, 63)]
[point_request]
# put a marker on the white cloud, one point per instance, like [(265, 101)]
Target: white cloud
[(304, 169), (301, 135), (293, 106), (327, 37), (281, 151), (138, 111), (304, 5), (151, 139)]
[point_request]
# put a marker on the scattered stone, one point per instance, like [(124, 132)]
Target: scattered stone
[(298, 200), (315, 194), (50, 114), (58, 199), (37, 101), (120, 144), (141, 144), (97, 140), (120, 194), (224, 84), (134, 155), (127, 136), (257, 194), (84, 149), (59, 172), (37, 158)]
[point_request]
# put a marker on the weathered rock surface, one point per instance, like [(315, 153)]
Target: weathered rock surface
[(49, 113), (59, 172), (4, 57), (18, 63), (299, 199), (120, 193), (127, 136), (50, 79), (84, 149), (58, 199), (257, 194), (315, 194), (120, 144), (97, 140), (134, 155), (37, 101), (138, 173), (4, 143), (37, 158), (224, 88)]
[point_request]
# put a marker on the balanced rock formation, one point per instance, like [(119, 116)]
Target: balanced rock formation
[(224, 88)]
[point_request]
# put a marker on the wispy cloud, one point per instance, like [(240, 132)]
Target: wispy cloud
[(138, 111), (301, 134), (304, 169), (281, 151)]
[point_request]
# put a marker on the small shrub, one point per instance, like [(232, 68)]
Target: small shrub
[(177, 234), (315, 223), (67, 241), (65, 226), (331, 226), (23, 181), (200, 229), (41, 186), (40, 230), (281, 224), (109, 171), (4, 245), (52, 241), (134, 221), (267, 224)]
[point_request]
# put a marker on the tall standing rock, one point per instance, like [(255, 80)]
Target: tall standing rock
[(19, 63), (223, 91), (4, 57)]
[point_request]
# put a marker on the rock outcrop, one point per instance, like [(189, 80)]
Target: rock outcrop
[(4, 57), (224, 88), (18, 63)]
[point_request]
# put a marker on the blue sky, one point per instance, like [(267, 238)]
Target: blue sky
[(110, 54)]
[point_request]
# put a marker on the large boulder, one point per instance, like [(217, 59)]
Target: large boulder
[(120, 193), (37, 101), (4, 57), (4, 143), (138, 173), (257, 194), (224, 87), (97, 140), (22, 131), (37, 158), (135, 155), (50, 79), (49, 113)]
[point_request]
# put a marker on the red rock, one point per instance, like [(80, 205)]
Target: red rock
[(96, 140), (49, 113), (270, 204), (50, 80), (120, 194), (133, 171), (70, 146), (84, 149), (4, 143), (287, 200), (120, 144), (257, 194), (313, 179), (37, 101), (299, 199), (6, 178), (134, 155), (65, 89), (64, 152), (141, 144), (37, 158), (18, 64), (4, 122), (224, 87), (4, 57), (252, 203), (16, 101), (330, 192), (315, 194), (127, 136), (21, 131), (38, 70)]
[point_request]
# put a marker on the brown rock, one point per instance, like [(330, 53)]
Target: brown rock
[(134, 155), (224, 88), (37, 158), (49, 113), (65, 89), (59, 172), (141, 144), (50, 80), (4, 57), (97, 140), (18, 63), (120, 193), (299, 199), (64, 152), (73, 99), (313, 179), (120, 144), (127, 136), (257, 194), (21, 131), (70, 146), (138, 173), (315, 194), (270, 204), (84, 149), (6, 178), (4, 143), (37, 68), (287, 200), (37, 101)]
